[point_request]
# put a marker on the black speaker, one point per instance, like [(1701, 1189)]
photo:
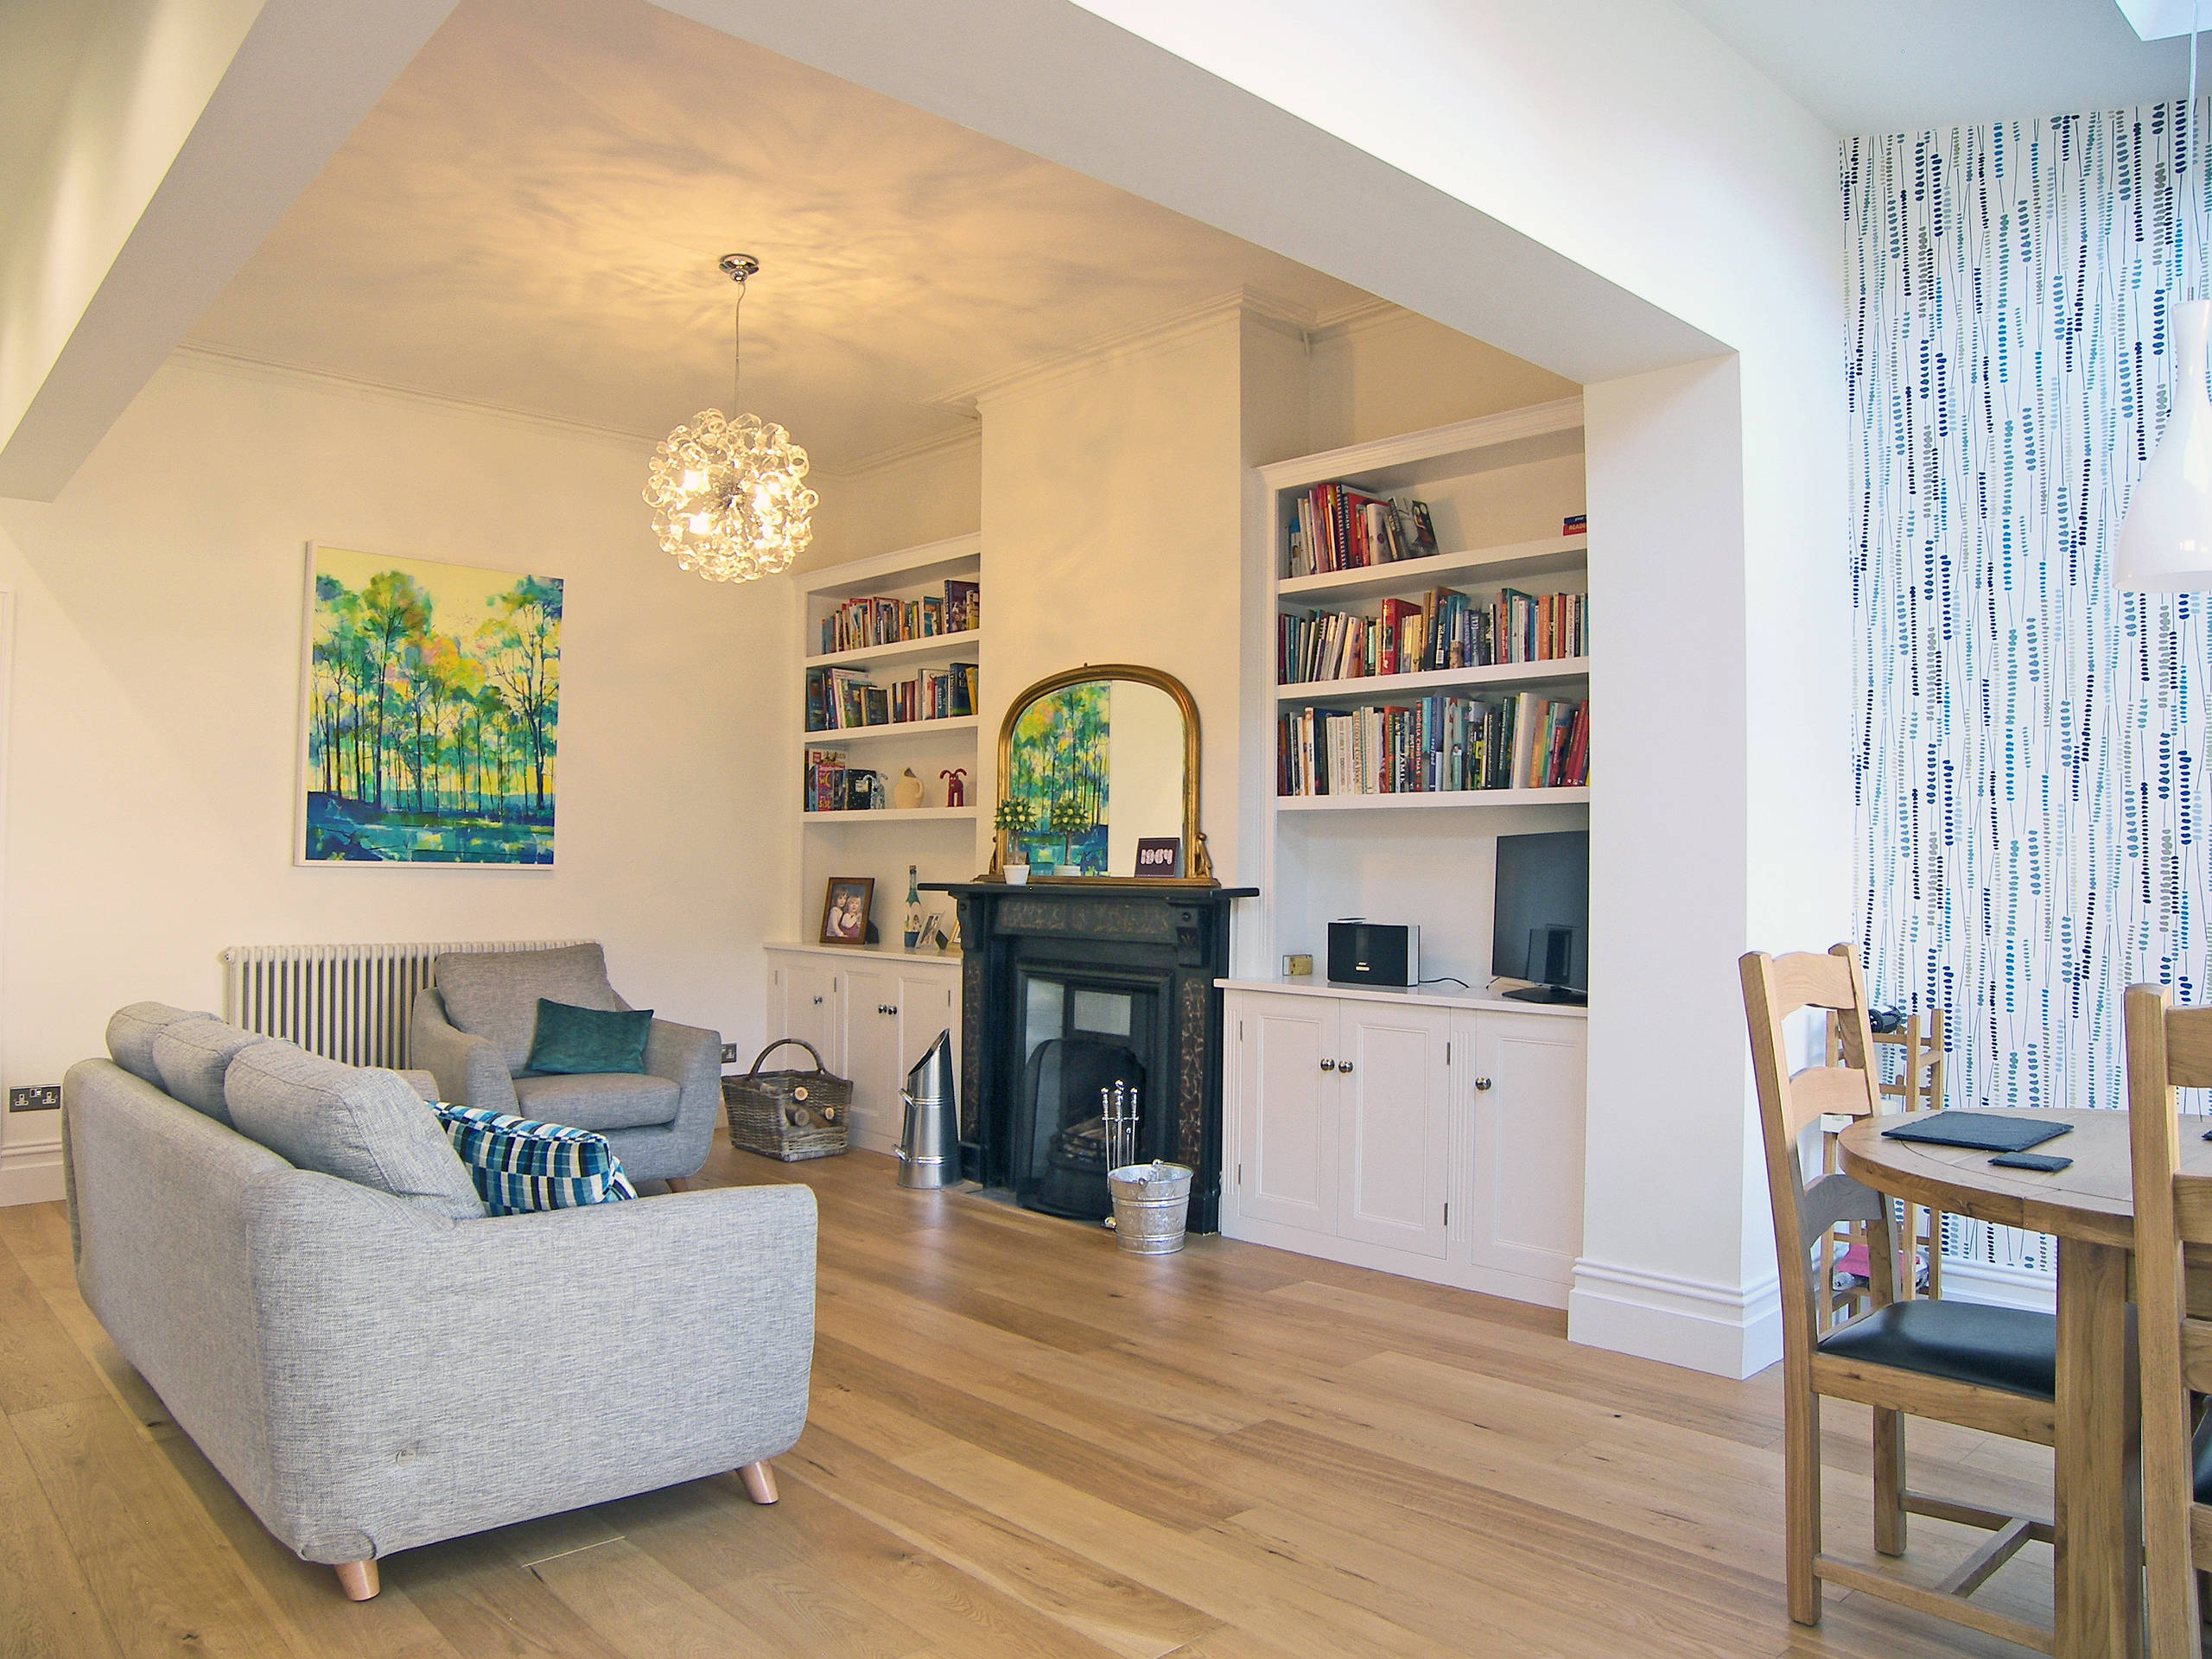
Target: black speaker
[(1374, 953)]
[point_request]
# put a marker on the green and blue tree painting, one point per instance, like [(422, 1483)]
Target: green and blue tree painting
[(1057, 762), (433, 713)]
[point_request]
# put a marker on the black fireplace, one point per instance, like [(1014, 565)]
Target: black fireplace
[(1070, 990)]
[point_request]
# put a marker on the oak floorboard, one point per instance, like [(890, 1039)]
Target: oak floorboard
[(482, 1603), (30, 1229), (55, 1280), (46, 1606), (39, 1364), (305, 1595), (162, 1574), (1021, 1444), (1074, 1592)]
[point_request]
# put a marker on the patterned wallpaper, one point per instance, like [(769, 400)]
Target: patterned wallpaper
[(2030, 763)]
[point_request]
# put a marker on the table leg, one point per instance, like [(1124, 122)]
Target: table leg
[(2099, 1484)]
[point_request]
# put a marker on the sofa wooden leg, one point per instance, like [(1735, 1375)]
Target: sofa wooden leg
[(759, 1481), (358, 1579), (678, 1184)]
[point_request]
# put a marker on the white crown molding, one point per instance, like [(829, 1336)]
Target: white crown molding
[(906, 454), (1363, 317), (1137, 341), (209, 358)]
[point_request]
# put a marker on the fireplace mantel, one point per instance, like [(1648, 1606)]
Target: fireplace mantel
[(1176, 933)]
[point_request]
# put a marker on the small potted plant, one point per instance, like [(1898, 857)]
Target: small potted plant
[(1069, 819), (1014, 818)]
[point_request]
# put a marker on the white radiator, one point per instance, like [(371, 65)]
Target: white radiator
[(349, 1002)]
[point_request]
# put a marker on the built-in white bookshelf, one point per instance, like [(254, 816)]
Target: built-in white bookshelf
[(1500, 490), (938, 839)]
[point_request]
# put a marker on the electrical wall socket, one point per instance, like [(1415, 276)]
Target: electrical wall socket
[(39, 1097), (730, 1054)]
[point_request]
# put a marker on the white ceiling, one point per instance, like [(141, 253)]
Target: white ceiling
[(531, 219), (1907, 65)]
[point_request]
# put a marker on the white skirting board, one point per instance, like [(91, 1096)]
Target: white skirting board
[(30, 1173), (1984, 1281), (1727, 1330)]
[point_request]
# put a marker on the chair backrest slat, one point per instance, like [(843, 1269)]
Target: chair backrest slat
[(1774, 988), (1833, 1198), (2189, 1048), (2173, 1349), (1826, 1091)]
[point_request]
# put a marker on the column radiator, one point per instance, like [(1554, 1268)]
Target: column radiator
[(348, 1002)]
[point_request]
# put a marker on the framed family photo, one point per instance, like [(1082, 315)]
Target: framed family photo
[(844, 909)]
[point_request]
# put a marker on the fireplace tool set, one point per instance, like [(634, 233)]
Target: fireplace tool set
[(1117, 1109)]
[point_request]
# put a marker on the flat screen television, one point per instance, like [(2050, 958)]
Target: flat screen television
[(1539, 924)]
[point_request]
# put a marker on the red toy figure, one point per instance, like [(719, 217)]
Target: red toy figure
[(956, 786)]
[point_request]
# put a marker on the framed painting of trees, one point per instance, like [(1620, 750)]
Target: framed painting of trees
[(431, 711)]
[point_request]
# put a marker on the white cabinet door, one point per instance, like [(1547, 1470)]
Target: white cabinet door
[(1529, 1124), (1395, 1126), (927, 1004), (804, 1002), (1287, 1111), (871, 998)]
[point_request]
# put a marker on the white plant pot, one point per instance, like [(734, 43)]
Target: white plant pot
[(1017, 875)]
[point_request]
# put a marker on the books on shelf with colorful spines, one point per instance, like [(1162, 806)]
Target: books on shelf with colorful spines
[(1450, 630), (1337, 527), (840, 699), (858, 624), (824, 788), (1435, 745)]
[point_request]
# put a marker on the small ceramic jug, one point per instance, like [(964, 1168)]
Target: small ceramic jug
[(906, 792)]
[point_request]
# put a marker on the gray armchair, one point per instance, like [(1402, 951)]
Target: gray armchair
[(473, 1033)]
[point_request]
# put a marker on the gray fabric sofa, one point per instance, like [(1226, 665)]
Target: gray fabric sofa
[(472, 1031), (374, 1370)]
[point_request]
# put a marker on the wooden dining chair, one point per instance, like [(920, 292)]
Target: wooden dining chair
[(1994, 1369), (2170, 1048)]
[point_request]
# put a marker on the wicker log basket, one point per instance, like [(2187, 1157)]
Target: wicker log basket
[(788, 1116)]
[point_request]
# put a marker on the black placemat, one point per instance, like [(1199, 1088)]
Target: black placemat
[(1983, 1131)]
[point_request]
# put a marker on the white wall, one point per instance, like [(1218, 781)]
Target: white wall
[(931, 493), (1393, 371), (156, 719), (1112, 495)]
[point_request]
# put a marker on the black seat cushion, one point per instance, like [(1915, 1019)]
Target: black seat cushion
[(2007, 1348)]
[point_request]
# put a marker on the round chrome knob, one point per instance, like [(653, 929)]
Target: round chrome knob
[(1328, 1066), (1482, 1083), (1344, 1066)]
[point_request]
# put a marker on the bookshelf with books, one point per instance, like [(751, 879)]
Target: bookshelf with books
[(1424, 645), (889, 649)]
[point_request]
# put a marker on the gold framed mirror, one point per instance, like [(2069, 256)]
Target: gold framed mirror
[(1098, 776)]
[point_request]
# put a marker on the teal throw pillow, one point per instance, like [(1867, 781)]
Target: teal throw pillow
[(574, 1040)]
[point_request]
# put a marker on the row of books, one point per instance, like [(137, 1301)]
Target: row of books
[(832, 786), (1339, 528), (859, 623), (1435, 745), (840, 698), (1451, 631)]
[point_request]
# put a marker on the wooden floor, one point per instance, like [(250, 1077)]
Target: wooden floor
[(1025, 1444)]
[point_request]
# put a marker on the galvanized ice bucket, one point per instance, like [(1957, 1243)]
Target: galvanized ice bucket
[(1151, 1202)]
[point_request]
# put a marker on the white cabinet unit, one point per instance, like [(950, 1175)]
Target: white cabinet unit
[(1526, 1217), (1286, 1137), (1394, 1126), (1436, 1136), (892, 1016), (870, 1015)]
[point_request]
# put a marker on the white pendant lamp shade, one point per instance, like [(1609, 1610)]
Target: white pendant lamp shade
[(2165, 541)]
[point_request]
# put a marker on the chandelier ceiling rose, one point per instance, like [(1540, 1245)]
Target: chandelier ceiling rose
[(729, 493)]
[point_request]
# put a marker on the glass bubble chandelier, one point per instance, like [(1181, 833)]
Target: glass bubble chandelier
[(729, 495)]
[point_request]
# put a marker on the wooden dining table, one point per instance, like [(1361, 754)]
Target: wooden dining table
[(2089, 1207)]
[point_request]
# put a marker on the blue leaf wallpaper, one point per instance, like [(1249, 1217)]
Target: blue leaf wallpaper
[(2031, 747)]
